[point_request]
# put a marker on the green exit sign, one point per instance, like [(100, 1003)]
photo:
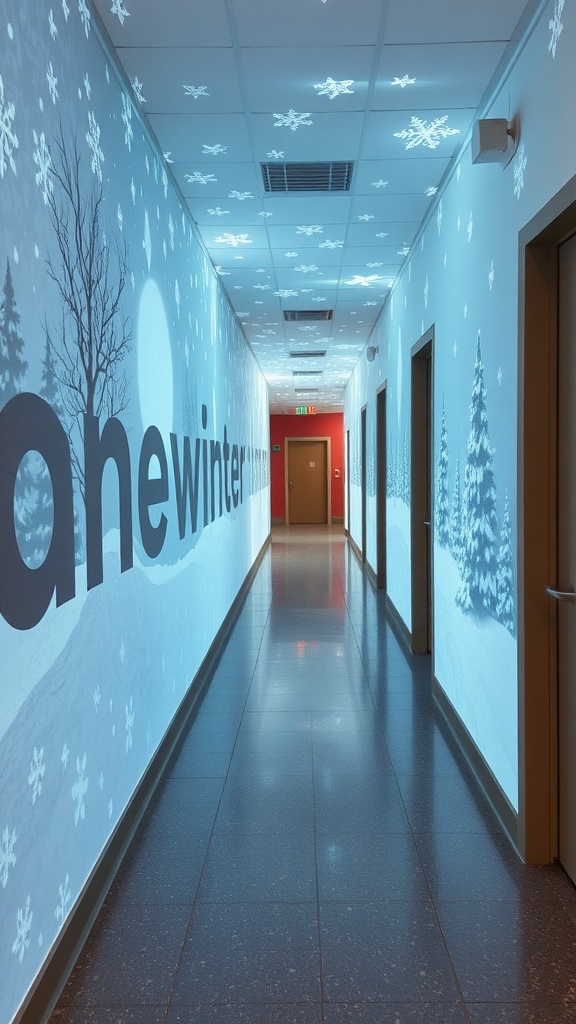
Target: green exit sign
[(305, 410), (276, 448)]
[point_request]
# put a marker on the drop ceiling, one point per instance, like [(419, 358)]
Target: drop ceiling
[(391, 86)]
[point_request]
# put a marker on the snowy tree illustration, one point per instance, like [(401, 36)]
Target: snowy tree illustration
[(455, 539), (391, 472), (477, 592), (505, 607), (441, 503), (94, 336), (13, 366), (405, 469)]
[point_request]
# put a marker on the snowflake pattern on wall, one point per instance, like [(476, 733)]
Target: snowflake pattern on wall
[(426, 133), (332, 89), (292, 120), (37, 772), (84, 15), (519, 168), (127, 121), (234, 240), (491, 276), (240, 195), (52, 83), (197, 178), (7, 855), (403, 82), (470, 227), (129, 706), (555, 25), (119, 10), (404, 250), (439, 217), (366, 216), (8, 139), (214, 150), (79, 790), (64, 756), (138, 86), (23, 927), (93, 140), (64, 900), (52, 25), (196, 91)]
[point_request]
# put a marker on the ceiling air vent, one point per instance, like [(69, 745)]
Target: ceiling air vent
[(308, 314), (306, 373), (307, 355), (314, 177)]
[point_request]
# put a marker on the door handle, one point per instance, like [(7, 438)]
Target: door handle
[(427, 522), (561, 595), (290, 483)]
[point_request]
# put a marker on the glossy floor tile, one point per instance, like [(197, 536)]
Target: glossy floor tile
[(318, 851)]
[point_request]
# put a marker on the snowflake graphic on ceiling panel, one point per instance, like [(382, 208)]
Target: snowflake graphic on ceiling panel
[(79, 790), (167, 157), (380, 183), (235, 240), (332, 89), (307, 268), (470, 227), (426, 133), (8, 139), (404, 250), (262, 287), (240, 195), (291, 255), (275, 154), (292, 120), (7, 855), (197, 178), (196, 90), (119, 10), (84, 15), (137, 86), (286, 293), (519, 168), (366, 216), (309, 229), (214, 150), (555, 26), (365, 281), (403, 82), (431, 190), (217, 211), (336, 244)]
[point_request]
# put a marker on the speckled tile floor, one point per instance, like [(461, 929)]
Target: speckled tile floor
[(318, 851)]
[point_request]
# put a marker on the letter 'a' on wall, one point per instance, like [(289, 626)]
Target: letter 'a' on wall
[(134, 472)]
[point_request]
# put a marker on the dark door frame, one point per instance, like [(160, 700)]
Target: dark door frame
[(537, 517), (421, 425), (381, 456)]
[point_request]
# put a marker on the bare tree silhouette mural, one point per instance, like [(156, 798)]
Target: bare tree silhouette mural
[(94, 337)]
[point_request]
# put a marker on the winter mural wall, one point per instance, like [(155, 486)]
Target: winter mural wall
[(461, 278), (134, 472)]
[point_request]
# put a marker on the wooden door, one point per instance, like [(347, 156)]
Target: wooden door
[(307, 491), (566, 578)]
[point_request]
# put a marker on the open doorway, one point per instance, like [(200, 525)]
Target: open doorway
[(421, 493)]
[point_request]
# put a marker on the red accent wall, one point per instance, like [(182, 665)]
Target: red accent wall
[(328, 424)]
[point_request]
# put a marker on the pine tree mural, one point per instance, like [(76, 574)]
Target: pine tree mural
[(13, 366), (405, 470), (477, 592), (442, 504), (505, 608), (456, 520)]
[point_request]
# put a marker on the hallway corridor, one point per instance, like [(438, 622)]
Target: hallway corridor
[(318, 852)]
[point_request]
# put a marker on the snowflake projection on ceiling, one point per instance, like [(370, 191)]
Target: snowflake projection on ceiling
[(431, 190), (365, 281), (217, 211), (265, 213), (167, 156), (319, 298), (307, 268), (426, 133), (372, 265), (286, 293), (119, 10), (404, 250), (292, 120), (332, 89), (137, 86), (214, 150), (381, 234), (52, 83), (197, 178), (555, 26), (380, 183), (291, 255), (196, 90), (519, 168), (309, 229), (8, 139), (366, 216), (403, 82), (240, 195), (328, 244), (275, 154), (233, 240), (127, 121)]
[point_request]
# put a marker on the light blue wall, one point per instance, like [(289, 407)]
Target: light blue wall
[(88, 692), (461, 277)]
